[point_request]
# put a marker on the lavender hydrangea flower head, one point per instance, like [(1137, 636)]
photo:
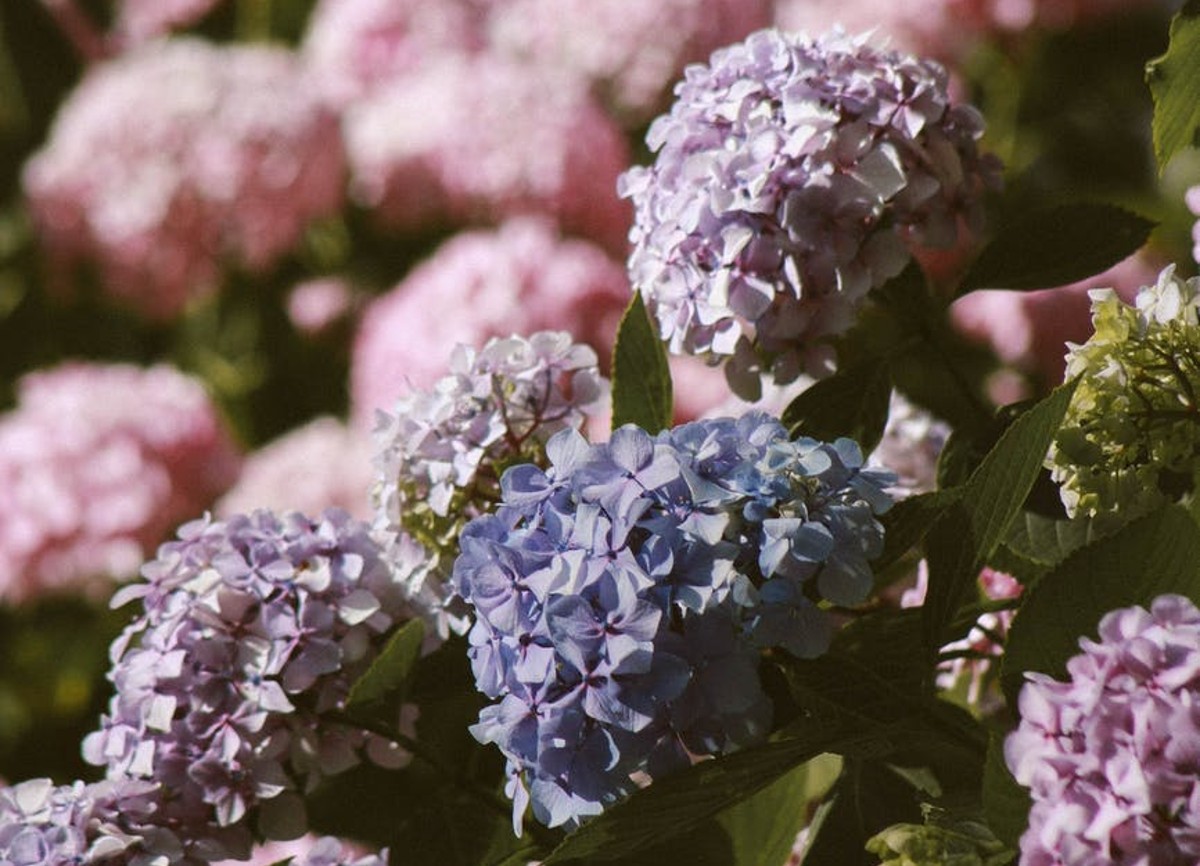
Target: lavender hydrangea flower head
[(622, 597), (109, 822), (1110, 757), (440, 453), (792, 176), (250, 630)]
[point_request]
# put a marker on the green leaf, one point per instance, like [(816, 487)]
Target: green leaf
[(967, 533), (868, 798), (641, 390), (449, 828), (1050, 247), (1005, 803), (906, 522), (762, 829), (1174, 81), (376, 697), (684, 801), (853, 402), (1157, 554), (1047, 540)]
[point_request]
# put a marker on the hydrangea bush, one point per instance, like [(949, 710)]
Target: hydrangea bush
[(837, 621)]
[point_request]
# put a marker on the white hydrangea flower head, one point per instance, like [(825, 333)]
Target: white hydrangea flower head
[(1131, 430), (439, 454)]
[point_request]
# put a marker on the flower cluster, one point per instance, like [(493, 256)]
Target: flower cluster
[(631, 52), (1130, 433), (97, 465), (622, 597), (251, 629), (946, 28), (323, 464), (1111, 756), (357, 47), (439, 454), (452, 142), (178, 156), (138, 21), (520, 278), (792, 176), (109, 822)]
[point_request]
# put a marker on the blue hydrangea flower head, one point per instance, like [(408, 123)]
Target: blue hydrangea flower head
[(793, 175), (250, 630), (623, 594)]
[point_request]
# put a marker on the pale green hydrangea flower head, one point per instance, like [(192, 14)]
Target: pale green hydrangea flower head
[(942, 840), (1132, 431)]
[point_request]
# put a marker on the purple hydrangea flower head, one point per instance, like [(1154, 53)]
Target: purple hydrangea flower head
[(108, 822), (623, 594), (792, 176), (251, 629), (440, 453), (1112, 757)]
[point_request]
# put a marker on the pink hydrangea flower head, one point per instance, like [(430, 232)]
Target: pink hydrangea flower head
[(97, 465), (250, 630), (1030, 330), (946, 29), (520, 278), (355, 47), (323, 464), (630, 52), (792, 176), (1111, 756), (137, 21), (457, 141), (173, 160)]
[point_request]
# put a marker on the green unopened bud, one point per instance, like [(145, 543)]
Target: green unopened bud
[(941, 842)]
